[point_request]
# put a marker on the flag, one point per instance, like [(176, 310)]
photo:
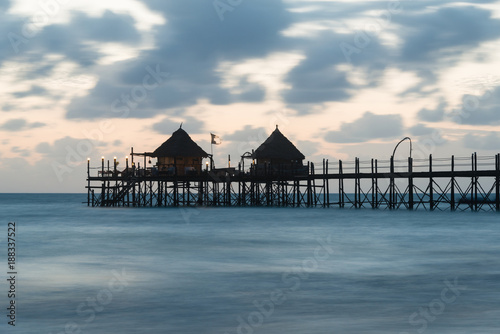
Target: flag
[(216, 139)]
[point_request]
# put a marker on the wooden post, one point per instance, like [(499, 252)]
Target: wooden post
[(452, 190), (150, 193), (327, 186), (324, 184), (107, 189), (373, 184), (341, 185), (497, 185), (103, 187), (133, 189), (410, 183), (215, 193), (356, 180), (376, 184), (297, 191), (391, 184), (431, 184), (308, 190), (88, 182), (228, 189), (472, 183), (476, 181)]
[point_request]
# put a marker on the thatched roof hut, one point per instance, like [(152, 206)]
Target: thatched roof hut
[(179, 145), (277, 149), (180, 154)]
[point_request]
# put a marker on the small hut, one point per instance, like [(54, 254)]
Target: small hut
[(179, 155), (279, 153)]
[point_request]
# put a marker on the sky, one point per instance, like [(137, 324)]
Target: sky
[(84, 79)]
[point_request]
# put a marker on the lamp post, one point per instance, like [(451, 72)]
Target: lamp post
[(102, 163), (402, 140)]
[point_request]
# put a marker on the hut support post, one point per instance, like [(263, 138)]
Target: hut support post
[(150, 193)]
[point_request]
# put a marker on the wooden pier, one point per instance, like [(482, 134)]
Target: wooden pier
[(455, 183)]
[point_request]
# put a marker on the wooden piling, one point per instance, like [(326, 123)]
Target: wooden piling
[(497, 182), (431, 184), (341, 185), (452, 184), (410, 183)]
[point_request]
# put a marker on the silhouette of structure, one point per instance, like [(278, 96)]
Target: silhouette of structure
[(279, 178)]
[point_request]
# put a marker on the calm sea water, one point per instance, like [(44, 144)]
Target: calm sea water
[(249, 270)]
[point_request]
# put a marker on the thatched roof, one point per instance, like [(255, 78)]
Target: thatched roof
[(179, 145), (277, 146)]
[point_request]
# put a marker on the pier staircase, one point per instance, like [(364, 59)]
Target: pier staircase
[(115, 195)]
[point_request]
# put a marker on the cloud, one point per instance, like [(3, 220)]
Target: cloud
[(307, 147), (420, 130), (110, 27), (427, 135), (190, 124), (76, 41), (4, 4), (489, 141), (366, 128), (20, 151), (68, 150), (431, 39), (248, 134), (20, 124), (446, 33), (319, 78), (71, 41), (7, 107), (433, 115), (246, 139), (479, 110), (191, 46), (33, 91)]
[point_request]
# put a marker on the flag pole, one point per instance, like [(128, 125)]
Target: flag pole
[(211, 151)]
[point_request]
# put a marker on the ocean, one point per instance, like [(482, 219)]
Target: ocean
[(247, 270)]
